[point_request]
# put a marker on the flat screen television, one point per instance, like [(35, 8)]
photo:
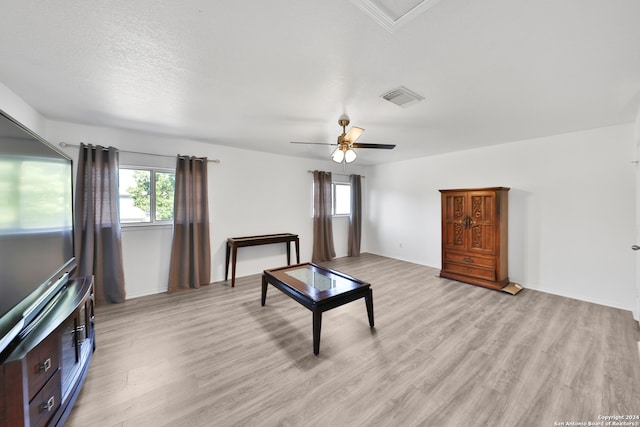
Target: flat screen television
[(36, 226)]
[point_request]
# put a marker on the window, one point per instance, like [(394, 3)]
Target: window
[(341, 199), (146, 196)]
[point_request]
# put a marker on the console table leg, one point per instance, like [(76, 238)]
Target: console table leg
[(233, 265), (226, 266), (368, 299), (297, 241), (288, 252), (317, 323), (264, 290)]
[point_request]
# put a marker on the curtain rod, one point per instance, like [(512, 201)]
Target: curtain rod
[(64, 144), (341, 174)]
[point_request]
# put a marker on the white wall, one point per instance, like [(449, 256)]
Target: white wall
[(15, 106), (572, 205), (571, 210), (249, 193)]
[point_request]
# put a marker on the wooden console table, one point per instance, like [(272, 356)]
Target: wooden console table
[(233, 243)]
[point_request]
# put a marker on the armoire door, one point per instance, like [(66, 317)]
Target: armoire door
[(469, 219), (454, 214), (481, 231)]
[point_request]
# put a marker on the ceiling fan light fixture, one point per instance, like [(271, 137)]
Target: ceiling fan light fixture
[(344, 153), (350, 155)]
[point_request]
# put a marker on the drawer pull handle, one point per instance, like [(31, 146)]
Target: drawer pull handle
[(49, 404), (46, 365), (80, 334), (467, 259)]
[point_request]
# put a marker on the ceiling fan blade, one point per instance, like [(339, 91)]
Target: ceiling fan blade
[(312, 143), (353, 134), (383, 146)]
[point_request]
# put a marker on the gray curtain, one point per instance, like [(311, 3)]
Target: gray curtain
[(323, 249), (190, 251), (97, 222), (355, 217)]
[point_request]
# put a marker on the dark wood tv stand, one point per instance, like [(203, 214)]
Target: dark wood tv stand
[(41, 375)]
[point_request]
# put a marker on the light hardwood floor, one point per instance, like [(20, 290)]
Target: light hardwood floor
[(442, 353)]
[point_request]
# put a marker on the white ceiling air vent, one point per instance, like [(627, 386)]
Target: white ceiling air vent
[(393, 14), (402, 97)]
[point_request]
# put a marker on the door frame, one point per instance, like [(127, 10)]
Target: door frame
[(636, 313)]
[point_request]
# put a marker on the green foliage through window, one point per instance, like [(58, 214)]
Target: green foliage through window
[(165, 187), (146, 194)]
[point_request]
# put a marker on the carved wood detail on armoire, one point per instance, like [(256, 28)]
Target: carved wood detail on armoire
[(474, 236)]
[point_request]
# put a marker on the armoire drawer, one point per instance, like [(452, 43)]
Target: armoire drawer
[(467, 270), (469, 259)]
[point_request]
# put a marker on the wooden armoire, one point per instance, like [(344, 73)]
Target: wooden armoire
[(474, 236)]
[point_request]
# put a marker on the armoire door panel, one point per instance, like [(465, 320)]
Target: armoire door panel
[(482, 207), (458, 210), (454, 207), (455, 236), (482, 239)]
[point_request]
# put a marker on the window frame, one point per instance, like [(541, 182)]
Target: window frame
[(152, 196)]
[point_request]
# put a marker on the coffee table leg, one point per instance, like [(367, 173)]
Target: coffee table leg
[(317, 323), (368, 299), (264, 290)]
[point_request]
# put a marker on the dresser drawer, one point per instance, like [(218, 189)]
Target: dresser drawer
[(469, 259), (469, 270), (42, 362), (45, 404), (3, 401)]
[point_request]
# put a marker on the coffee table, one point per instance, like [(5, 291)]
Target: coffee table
[(319, 289)]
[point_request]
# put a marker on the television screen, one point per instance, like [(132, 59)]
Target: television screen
[(36, 221)]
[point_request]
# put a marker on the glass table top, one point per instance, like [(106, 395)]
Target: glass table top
[(314, 278)]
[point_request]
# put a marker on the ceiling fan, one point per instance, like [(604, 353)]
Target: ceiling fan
[(347, 142)]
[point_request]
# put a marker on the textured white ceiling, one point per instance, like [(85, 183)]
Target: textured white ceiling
[(258, 74)]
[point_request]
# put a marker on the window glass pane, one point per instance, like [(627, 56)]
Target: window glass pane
[(135, 197), (165, 186), (342, 199)]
